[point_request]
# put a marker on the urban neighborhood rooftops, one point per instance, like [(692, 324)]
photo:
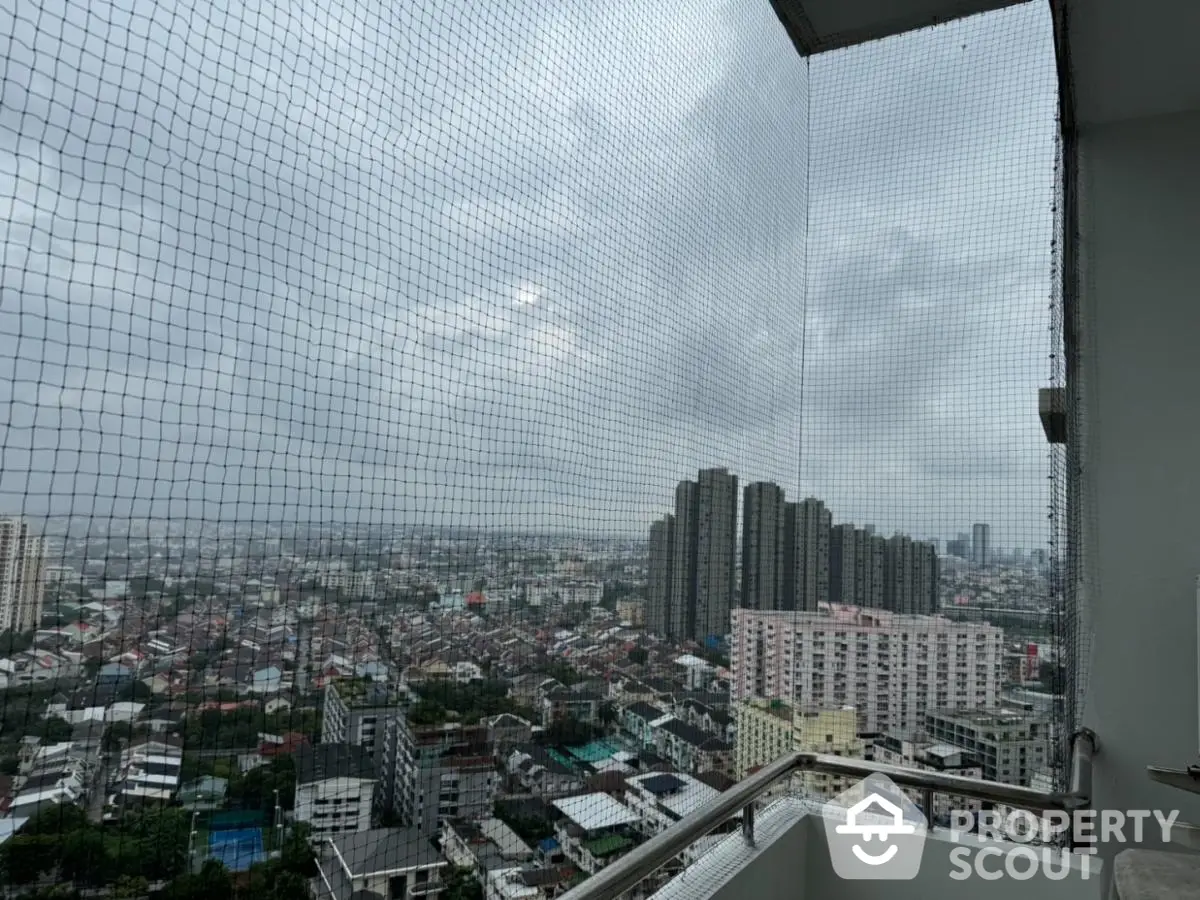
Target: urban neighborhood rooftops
[(593, 812)]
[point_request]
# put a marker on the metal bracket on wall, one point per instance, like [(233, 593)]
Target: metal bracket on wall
[(1184, 779)]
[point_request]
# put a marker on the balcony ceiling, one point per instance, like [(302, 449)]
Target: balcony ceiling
[(1133, 59), (816, 26), (1129, 58)]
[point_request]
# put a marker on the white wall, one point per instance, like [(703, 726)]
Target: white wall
[(1140, 367), (339, 792)]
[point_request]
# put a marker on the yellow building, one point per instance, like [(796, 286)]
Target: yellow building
[(631, 611), (767, 729)]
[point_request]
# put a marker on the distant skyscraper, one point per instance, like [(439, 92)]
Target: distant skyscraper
[(981, 544), (842, 558), (22, 564), (806, 538), (910, 576), (898, 573), (856, 567), (658, 590), (716, 549), (762, 557), (925, 578), (681, 611), (870, 569), (960, 547)]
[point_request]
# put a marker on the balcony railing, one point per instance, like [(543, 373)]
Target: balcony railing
[(627, 872)]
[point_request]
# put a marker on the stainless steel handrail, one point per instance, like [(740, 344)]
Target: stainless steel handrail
[(625, 873)]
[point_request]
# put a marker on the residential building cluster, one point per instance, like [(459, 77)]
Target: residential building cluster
[(792, 558)]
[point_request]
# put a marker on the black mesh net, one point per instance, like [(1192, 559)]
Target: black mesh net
[(353, 354)]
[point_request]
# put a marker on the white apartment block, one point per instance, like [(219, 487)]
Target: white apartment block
[(891, 668), (22, 580), (588, 593), (335, 788), (584, 592), (357, 584)]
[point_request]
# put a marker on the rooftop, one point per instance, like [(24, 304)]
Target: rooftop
[(385, 850), (608, 845), (592, 812), (359, 693), (316, 763), (988, 717)]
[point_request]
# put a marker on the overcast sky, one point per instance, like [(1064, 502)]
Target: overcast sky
[(523, 264)]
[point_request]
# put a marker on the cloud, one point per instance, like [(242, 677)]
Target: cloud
[(525, 268)]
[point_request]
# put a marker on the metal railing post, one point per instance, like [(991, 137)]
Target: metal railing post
[(748, 823), (1083, 748)]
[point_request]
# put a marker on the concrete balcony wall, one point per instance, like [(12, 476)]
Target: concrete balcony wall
[(1139, 374), (791, 860)]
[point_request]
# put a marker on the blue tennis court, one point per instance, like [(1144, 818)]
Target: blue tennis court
[(237, 849)]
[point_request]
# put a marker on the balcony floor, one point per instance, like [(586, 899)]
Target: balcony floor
[(791, 859)]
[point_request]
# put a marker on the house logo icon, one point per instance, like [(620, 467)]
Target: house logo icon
[(875, 832)]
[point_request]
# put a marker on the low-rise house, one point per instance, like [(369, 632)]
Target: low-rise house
[(689, 749), (595, 830), (115, 675), (506, 731), (529, 689), (484, 846), (662, 799), (54, 775), (576, 703), (637, 721), (149, 771), (382, 863), (707, 718), (541, 773), (527, 883)]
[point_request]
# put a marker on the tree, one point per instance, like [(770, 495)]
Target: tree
[(56, 820), (530, 829), (130, 887), (53, 892), (272, 881), (607, 714), (461, 884), (256, 789), (136, 692), (567, 730), (15, 642), (55, 730), (639, 656), (83, 858), (25, 857), (296, 853), (212, 882), (161, 839)]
